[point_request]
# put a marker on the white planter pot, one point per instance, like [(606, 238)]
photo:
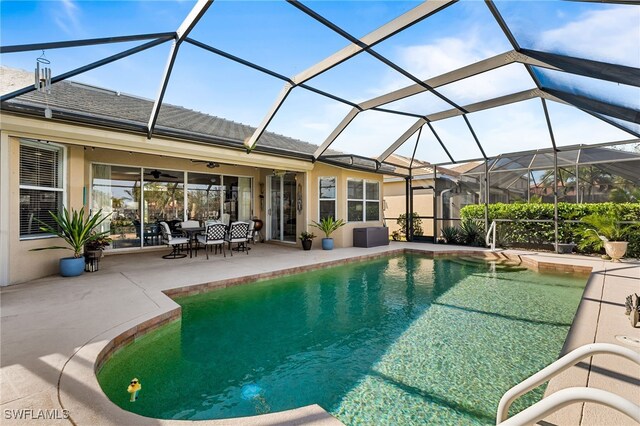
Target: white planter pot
[(615, 249)]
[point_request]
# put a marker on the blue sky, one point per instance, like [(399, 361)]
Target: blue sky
[(278, 36)]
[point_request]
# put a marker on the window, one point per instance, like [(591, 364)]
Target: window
[(327, 197), (41, 186), (363, 200)]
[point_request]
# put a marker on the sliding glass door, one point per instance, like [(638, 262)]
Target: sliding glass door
[(138, 199), (116, 191), (205, 195), (282, 210)]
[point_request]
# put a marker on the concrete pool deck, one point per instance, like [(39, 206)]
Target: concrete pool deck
[(54, 329)]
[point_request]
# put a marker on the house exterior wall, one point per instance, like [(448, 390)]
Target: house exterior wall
[(85, 145), (343, 237), (395, 198)]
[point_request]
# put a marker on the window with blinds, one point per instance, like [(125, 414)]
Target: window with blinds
[(41, 185), (363, 200), (327, 195)]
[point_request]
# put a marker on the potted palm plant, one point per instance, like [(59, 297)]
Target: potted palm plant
[(307, 239), (606, 230), (328, 225), (76, 231)]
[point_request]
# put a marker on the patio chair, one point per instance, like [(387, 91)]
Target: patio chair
[(151, 232), (173, 241), (237, 234), (213, 236), (251, 234)]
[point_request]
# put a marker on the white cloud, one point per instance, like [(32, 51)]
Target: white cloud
[(515, 127), (308, 116), (610, 35), (447, 54), (66, 15), (371, 132), (572, 126)]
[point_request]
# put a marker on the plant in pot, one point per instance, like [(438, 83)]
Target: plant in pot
[(606, 230), (328, 225), (76, 231), (93, 248), (566, 246), (307, 239)]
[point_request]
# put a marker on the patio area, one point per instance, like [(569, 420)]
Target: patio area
[(54, 328)]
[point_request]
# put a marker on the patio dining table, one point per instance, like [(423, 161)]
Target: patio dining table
[(191, 234)]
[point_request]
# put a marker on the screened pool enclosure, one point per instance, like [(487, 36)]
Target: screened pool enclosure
[(542, 98)]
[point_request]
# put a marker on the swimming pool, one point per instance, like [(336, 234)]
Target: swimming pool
[(396, 340)]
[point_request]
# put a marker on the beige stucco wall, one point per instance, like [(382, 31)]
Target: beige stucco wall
[(25, 264), (85, 145), (343, 237), (395, 198)]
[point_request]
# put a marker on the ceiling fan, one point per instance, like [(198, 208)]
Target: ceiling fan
[(210, 164), (157, 174)]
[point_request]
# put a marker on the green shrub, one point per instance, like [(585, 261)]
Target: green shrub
[(451, 234), (471, 232), (523, 233), (417, 224)]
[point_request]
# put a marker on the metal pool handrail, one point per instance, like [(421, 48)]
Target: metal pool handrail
[(491, 231), (566, 396)]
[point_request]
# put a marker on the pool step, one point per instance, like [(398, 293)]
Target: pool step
[(502, 264)]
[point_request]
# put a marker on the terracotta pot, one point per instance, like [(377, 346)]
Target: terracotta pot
[(615, 249)]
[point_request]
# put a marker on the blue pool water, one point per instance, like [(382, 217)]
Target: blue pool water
[(397, 340)]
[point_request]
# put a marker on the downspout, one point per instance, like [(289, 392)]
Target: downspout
[(441, 202)]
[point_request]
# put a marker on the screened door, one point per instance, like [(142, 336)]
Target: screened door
[(282, 210)]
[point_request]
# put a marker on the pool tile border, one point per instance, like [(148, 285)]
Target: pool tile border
[(134, 333)]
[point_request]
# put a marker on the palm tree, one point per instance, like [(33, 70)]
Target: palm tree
[(625, 191), (590, 178)]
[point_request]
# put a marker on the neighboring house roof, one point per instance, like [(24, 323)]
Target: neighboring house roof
[(104, 106), (421, 167), (463, 168), (403, 161)]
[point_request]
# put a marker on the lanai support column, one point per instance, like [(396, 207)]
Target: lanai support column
[(578, 177), (435, 204), (486, 195), (555, 196), (407, 200), (555, 173)]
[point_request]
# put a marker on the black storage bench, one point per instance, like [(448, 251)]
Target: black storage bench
[(371, 236)]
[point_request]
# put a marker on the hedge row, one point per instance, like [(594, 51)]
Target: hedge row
[(525, 234)]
